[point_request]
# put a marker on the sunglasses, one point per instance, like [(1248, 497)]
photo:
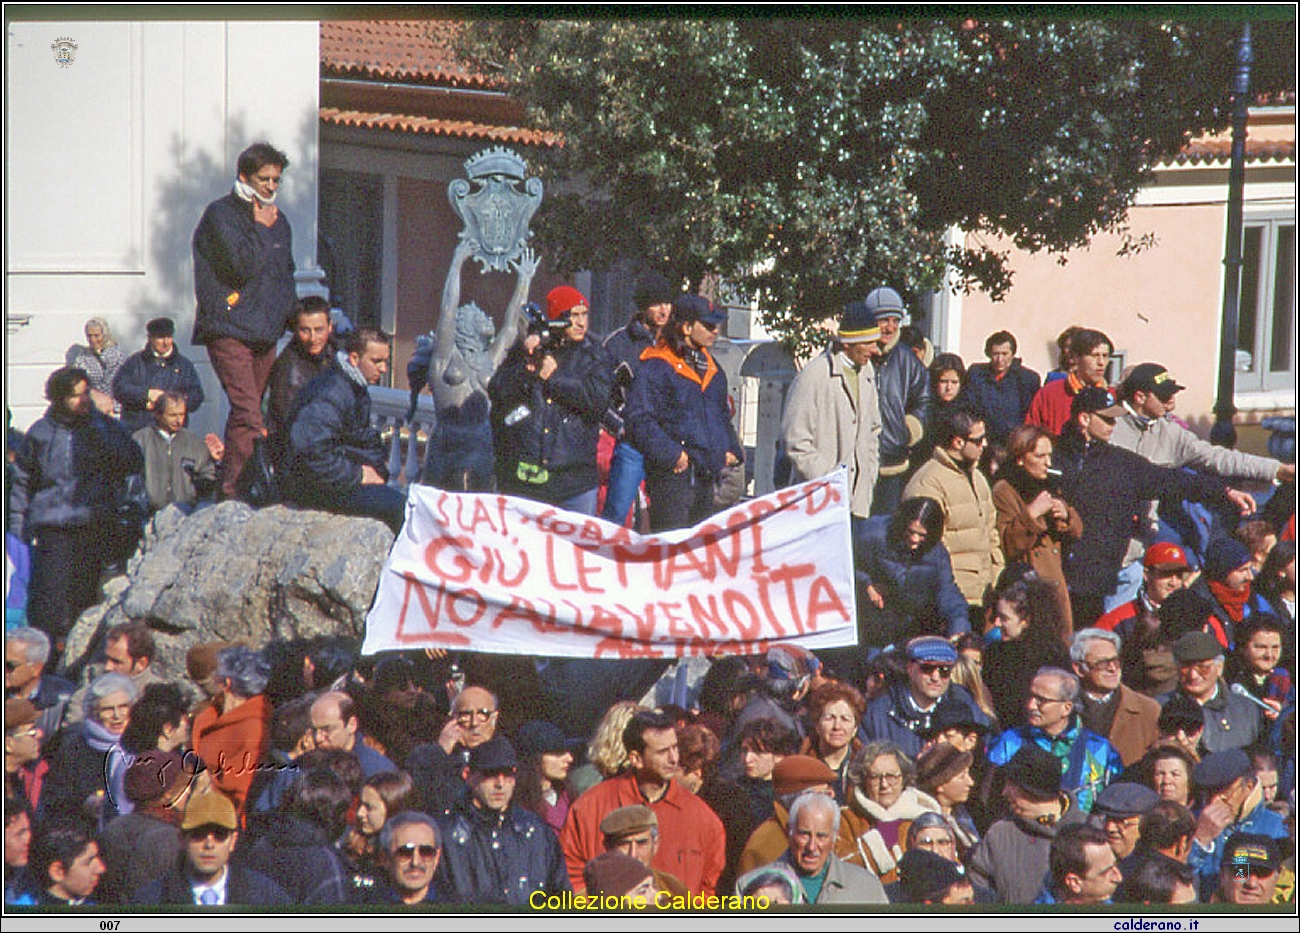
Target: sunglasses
[(408, 852), (219, 834), (943, 670)]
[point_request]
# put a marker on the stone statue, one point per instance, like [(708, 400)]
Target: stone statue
[(458, 359)]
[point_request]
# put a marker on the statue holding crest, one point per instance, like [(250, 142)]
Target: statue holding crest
[(495, 205)]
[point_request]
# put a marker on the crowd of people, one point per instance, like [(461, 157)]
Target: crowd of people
[(1073, 683)]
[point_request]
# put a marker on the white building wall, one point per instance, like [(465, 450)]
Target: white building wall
[(110, 162)]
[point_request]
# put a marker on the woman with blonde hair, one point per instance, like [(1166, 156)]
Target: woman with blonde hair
[(606, 755), (966, 673)]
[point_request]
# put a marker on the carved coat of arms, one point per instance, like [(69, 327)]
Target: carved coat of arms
[(496, 205)]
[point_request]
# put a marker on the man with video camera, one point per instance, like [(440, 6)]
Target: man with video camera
[(548, 397)]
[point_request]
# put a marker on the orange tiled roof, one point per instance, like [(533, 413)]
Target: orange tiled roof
[(432, 126), (1219, 149), (415, 50)]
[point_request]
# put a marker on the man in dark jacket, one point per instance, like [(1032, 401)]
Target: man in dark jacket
[(156, 369), (294, 846), (336, 460), (243, 280), (495, 852), (210, 830), (1001, 390), (907, 709), (68, 475), (310, 352), (548, 397), (1107, 486), (903, 385), (653, 298)]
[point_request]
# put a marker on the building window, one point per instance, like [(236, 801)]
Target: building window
[(1266, 324)]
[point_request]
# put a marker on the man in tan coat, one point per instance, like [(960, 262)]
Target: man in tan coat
[(832, 414), (951, 478)]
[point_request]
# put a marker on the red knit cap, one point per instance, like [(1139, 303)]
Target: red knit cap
[(562, 299)]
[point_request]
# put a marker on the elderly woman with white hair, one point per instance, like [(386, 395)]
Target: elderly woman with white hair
[(233, 734), (85, 781), (101, 358)]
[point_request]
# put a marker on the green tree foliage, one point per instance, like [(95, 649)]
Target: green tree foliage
[(806, 160)]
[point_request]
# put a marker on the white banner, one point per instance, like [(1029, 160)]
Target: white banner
[(497, 574)]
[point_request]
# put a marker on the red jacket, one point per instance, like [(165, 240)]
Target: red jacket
[(692, 843), (232, 745), (1050, 408)]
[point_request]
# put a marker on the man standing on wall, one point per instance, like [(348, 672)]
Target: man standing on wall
[(243, 280)]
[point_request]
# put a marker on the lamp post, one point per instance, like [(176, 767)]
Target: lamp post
[(1223, 433)]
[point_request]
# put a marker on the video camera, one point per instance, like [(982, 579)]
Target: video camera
[(550, 332)]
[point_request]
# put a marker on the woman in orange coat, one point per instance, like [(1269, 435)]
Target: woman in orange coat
[(233, 734)]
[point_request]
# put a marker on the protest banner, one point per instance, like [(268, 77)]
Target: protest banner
[(498, 574)]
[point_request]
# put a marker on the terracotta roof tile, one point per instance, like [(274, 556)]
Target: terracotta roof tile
[(418, 50), (1219, 149), (435, 127)]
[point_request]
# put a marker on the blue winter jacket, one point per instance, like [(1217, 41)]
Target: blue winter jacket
[(330, 439), (921, 596), (498, 858), (147, 370), (1088, 761), (1001, 402), (243, 274), (894, 717), (671, 408), (69, 473)]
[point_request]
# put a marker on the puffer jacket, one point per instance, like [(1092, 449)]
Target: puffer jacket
[(331, 438), (544, 432), (243, 274), (904, 386), (498, 858), (671, 408), (70, 473), (970, 521)]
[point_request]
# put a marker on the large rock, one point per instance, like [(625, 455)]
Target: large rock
[(233, 572)]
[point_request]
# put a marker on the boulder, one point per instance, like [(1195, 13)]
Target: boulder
[(231, 572)]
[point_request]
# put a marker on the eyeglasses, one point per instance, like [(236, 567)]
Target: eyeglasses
[(944, 842), (1204, 668), (219, 834), (979, 441), (1109, 419), (943, 670), (408, 852), (892, 777), (1035, 699), (469, 715), (1104, 664), (24, 732)]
